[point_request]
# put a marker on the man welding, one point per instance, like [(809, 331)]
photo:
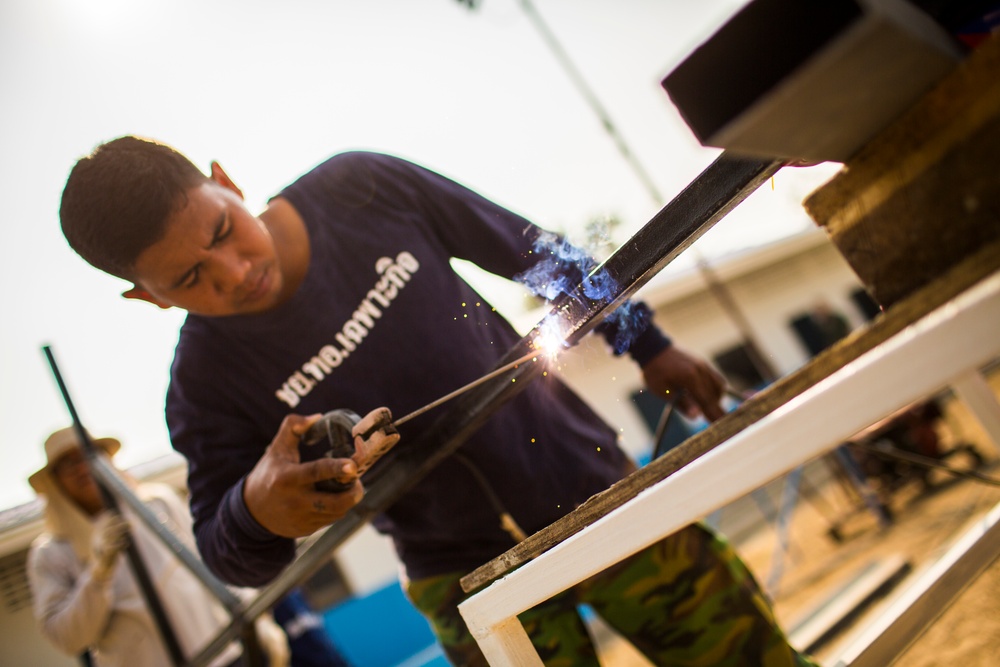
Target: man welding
[(340, 294)]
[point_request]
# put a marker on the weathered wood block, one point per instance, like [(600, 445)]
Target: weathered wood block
[(810, 80), (925, 193)]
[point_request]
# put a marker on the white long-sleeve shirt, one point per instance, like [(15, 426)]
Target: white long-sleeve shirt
[(77, 611)]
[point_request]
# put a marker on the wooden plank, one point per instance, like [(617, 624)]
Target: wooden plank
[(508, 645), (806, 80), (951, 283), (925, 192)]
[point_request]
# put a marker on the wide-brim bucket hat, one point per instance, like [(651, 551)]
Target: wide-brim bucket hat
[(61, 443)]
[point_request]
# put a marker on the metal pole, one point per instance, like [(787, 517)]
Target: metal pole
[(134, 558)]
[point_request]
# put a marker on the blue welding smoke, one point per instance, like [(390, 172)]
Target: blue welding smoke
[(563, 268)]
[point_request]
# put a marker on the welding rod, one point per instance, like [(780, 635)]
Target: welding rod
[(462, 390)]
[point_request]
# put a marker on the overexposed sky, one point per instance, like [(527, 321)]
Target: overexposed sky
[(271, 88)]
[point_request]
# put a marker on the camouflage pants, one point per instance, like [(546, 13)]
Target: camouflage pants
[(687, 601)]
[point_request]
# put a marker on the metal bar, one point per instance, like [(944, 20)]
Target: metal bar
[(131, 551), (721, 187), (461, 390), (892, 452)]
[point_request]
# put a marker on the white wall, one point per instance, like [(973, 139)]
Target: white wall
[(22, 644)]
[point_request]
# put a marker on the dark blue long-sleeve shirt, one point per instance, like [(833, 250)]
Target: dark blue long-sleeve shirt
[(382, 319)]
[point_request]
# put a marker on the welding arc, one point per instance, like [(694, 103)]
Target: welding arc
[(462, 390)]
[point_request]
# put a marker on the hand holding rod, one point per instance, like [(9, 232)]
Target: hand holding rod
[(335, 430), (461, 390)]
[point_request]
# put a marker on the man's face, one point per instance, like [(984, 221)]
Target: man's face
[(215, 258), (72, 473)]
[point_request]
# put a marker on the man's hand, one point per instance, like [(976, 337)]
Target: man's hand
[(109, 538), (690, 381), (374, 435), (280, 491)]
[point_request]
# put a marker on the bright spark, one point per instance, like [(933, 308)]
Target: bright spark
[(550, 340)]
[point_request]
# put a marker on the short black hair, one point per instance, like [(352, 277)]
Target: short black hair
[(117, 200)]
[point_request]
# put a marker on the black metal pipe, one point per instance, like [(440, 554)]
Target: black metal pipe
[(142, 577)]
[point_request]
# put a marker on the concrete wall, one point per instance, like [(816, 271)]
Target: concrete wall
[(22, 645)]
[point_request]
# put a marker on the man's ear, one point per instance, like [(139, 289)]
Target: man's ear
[(140, 294), (222, 178)]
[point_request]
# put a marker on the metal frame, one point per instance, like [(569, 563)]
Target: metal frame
[(952, 341)]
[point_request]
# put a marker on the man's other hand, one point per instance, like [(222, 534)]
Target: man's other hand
[(690, 381), (109, 538), (280, 492)]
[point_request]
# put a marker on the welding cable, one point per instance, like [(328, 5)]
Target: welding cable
[(661, 429), (888, 451), (668, 413), (506, 520)]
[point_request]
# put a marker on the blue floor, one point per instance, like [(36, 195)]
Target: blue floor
[(383, 630)]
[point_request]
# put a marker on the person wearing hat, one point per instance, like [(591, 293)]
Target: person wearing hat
[(85, 597)]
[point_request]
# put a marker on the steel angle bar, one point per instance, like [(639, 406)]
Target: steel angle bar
[(721, 187)]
